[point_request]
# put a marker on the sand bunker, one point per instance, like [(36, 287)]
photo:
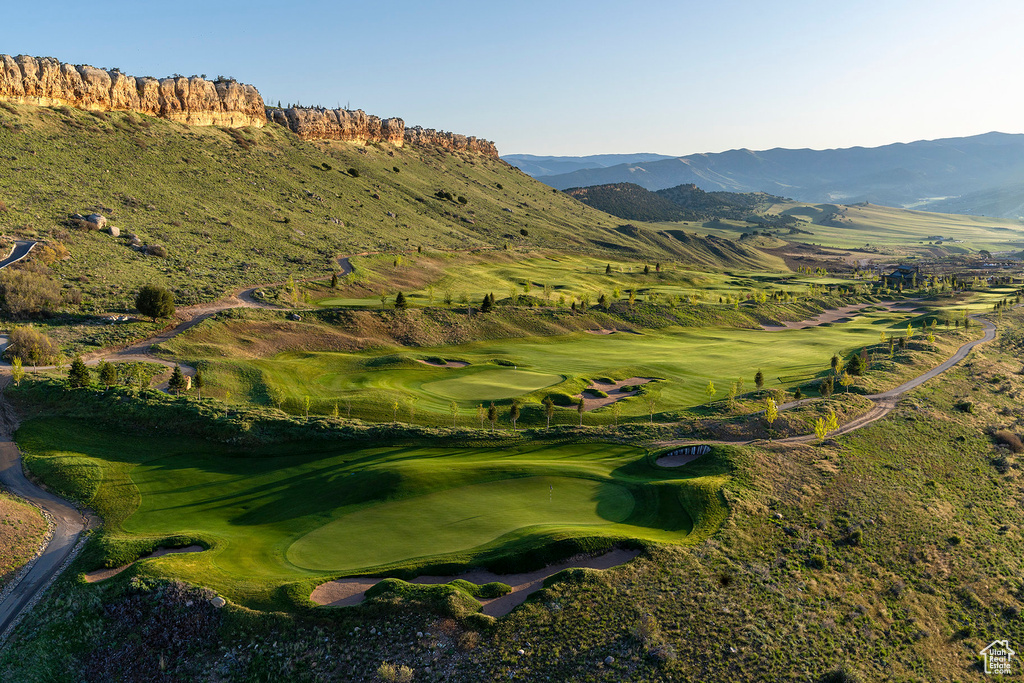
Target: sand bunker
[(446, 364), (104, 574), (614, 391), (346, 592), (682, 455), (602, 331)]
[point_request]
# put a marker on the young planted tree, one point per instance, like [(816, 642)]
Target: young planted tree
[(453, 409), (831, 421), (400, 303), (513, 414), (492, 415), (155, 302), (334, 280), (580, 407), (835, 363), (616, 412), (481, 414), (78, 375), (771, 411), (487, 304), (710, 390), (198, 381), (827, 387), (846, 380), (276, 397), (759, 380), (17, 371), (798, 394), (608, 269), (651, 404), (820, 430), (412, 408), (306, 403), (549, 410), (383, 300)]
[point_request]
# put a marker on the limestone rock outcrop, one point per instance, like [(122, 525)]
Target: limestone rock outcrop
[(314, 123), (450, 141), (196, 101)]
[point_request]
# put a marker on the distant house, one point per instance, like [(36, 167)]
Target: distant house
[(903, 274)]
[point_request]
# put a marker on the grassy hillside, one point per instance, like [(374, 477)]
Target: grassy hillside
[(244, 207), (630, 201)]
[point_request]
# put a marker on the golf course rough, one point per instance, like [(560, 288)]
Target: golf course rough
[(300, 512)]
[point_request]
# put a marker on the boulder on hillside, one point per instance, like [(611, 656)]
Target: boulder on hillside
[(114, 231), (97, 220)]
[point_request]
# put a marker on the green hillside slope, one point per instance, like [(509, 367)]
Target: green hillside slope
[(250, 206)]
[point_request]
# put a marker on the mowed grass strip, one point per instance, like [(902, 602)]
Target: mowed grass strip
[(274, 515), (490, 384)]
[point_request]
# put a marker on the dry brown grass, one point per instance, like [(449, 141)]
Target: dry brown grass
[(22, 529)]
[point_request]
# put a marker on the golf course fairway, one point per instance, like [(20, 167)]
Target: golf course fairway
[(276, 514)]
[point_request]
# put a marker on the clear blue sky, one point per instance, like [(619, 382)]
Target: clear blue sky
[(584, 77)]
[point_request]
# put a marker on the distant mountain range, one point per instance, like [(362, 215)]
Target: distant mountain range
[(545, 166), (981, 174)]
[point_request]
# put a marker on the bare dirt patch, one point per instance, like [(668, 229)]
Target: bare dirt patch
[(346, 592), (614, 391), (104, 574)]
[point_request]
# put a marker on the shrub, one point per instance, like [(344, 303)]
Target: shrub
[(1009, 439), (397, 170), (840, 675), (31, 346), (155, 302), (395, 673), (524, 232), (965, 406), (626, 388), (597, 393), (27, 292), (562, 399), (463, 200), (156, 250), (354, 172)]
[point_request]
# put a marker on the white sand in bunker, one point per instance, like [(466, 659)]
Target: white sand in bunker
[(614, 391), (346, 592), (104, 574), (680, 459), (446, 364)]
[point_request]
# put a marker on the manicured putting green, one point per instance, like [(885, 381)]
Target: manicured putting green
[(458, 519), (288, 512), (491, 385)]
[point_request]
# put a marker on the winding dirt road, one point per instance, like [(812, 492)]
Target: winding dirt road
[(67, 521)]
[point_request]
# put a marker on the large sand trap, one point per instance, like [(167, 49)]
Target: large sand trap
[(446, 364), (346, 592), (104, 574), (614, 391), (602, 331)]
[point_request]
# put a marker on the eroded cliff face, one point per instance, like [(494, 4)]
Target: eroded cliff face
[(195, 101), (357, 126), (452, 141), (339, 124)]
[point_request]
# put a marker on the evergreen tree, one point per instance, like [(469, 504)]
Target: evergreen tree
[(798, 394), (400, 303), (647, 270), (334, 280), (198, 383), (580, 408), (608, 269), (549, 410), (492, 415), (78, 375), (108, 374), (177, 383), (759, 380), (486, 305)]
